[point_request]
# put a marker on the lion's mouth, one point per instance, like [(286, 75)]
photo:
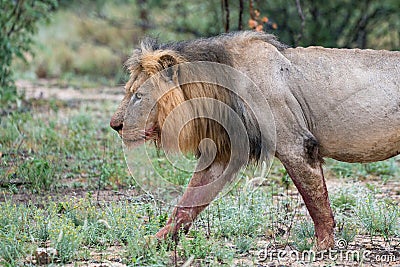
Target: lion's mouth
[(151, 133), (133, 139)]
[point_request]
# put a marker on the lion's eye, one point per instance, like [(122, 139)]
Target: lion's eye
[(138, 96)]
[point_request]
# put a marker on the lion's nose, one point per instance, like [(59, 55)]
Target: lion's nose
[(116, 125)]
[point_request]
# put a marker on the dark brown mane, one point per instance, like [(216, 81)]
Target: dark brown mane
[(204, 49)]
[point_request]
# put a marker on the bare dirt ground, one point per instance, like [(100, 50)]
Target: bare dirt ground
[(49, 89), (44, 89)]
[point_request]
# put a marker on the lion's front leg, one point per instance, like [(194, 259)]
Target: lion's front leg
[(203, 187)]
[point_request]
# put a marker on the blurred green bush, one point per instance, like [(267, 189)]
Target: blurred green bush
[(18, 23), (93, 38)]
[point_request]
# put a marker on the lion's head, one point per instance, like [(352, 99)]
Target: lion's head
[(138, 117), (154, 93)]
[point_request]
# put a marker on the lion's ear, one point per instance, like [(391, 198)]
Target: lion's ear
[(167, 61), (159, 60)]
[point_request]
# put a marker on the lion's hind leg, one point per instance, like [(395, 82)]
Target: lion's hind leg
[(305, 168)]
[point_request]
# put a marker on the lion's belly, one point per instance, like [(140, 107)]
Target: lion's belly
[(362, 129), (351, 150)]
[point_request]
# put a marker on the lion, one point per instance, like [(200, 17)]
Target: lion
[(326, 103)]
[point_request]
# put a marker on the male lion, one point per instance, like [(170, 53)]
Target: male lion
[(338, 103)]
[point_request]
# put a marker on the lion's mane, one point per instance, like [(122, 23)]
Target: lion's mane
[(152, 58)]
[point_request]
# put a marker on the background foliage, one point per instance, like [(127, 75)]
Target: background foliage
[(92, 39), (18, 21)]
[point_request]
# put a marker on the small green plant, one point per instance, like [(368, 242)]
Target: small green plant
[(195, 244), (244, 244), (66, 238), (242, 214), (384, 169), (145, 251), (344, 199), (113, 174), (378, 216), (303, 235), (13, 235), (40, 174), (223, 254), (343, 169), (346, 228), (11, 249)]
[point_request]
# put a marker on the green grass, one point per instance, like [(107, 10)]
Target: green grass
[(304, 235), (385, 170), (41, 153), (54, 149), (378, 217)]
